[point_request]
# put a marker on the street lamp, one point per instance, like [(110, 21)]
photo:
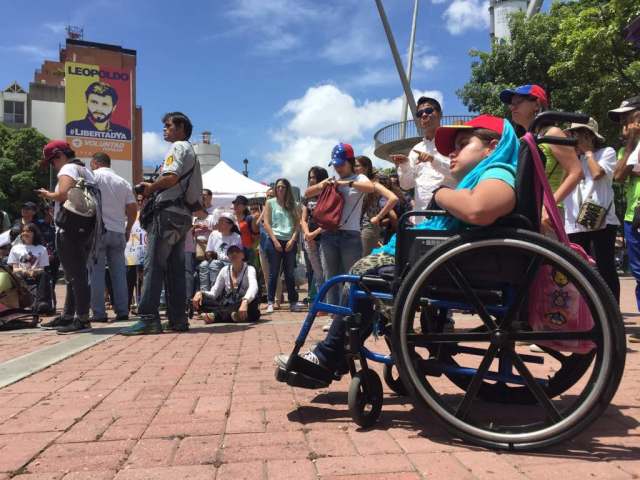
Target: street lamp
[(245, 172)]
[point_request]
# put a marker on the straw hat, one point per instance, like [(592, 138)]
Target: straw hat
[(592, 126)]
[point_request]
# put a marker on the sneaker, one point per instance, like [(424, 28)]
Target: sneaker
[(56, 322), (122, 318), (297, 307), (143, 327), (99, 319), (235, 317), (634, 338), (76, 326), (270, 308), (327, 326), (536, 349), (309, 356)]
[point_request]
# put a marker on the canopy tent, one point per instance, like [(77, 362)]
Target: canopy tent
[(226, 183)]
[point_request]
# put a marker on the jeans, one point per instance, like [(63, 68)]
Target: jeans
[(208, 272), (288, 261), (315, 273), (111, 252), (632, 237), (164, 262), (339, 251), (73, 251), (600, 244), (264, 264)]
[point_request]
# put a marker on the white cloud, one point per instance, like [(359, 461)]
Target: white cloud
[(464, 15), (56, 28), (153, 148), (355, 45), (322, 117), (33, 51)]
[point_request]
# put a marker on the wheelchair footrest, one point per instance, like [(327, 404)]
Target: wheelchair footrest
[(297, 379)]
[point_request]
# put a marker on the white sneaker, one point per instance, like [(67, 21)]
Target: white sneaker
[(536, 349), (270, 308), (309, 356), (235, 317), (296, 307), (327, 326)]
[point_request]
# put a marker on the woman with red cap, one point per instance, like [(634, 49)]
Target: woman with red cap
[(73, 248), (562, 167), (484, 158)]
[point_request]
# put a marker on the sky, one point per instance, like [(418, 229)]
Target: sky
[(278, 82)]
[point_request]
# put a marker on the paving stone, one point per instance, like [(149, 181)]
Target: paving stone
[(77, 457), (291, 470), (363, 465), (198, 450), (253, 470), (199, 472), (152, 452)]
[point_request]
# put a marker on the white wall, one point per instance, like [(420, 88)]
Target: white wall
[(48, 118), (122, 168)]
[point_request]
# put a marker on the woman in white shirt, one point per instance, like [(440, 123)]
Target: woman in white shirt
[(216, 252), (234, 295), (598, 163), (28, 260)]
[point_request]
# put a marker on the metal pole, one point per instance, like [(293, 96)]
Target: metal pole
[(412, 42), (396, 58), (533, 7)]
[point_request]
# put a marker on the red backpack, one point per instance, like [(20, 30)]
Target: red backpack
[(328, 210)]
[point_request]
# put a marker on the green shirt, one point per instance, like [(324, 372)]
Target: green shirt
[(281, 221), (632, 192), (552, 168)]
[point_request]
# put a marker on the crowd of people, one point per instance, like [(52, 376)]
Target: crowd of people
[(167, 243)]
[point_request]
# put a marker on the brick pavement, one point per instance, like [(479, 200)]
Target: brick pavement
[(204, 405)]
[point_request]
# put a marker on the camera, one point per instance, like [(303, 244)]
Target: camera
[(139, 189)]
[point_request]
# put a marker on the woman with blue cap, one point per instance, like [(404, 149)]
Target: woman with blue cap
[(484, 159)]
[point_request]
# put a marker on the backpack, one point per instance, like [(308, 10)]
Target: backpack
[(77, 215), (328, 211)]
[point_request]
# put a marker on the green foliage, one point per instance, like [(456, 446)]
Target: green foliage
[(576, 51), (20, 173)]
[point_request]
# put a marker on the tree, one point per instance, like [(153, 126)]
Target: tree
[(20, 173), (576, 51)]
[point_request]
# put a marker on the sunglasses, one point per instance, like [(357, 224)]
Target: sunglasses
[(425, 111)]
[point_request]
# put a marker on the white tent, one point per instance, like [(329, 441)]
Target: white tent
[(226, 183)]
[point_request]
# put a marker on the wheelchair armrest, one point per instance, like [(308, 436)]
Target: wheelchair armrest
[(372, 281), (404, 219)]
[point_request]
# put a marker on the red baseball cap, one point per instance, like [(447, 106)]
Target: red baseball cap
[(446, 136), (531, 90), (53, 148)]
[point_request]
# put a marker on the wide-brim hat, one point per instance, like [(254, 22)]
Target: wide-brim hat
[(627, 105), (591, 125), (446, 136)]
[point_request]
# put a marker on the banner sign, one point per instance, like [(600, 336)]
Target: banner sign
[(98, 110)]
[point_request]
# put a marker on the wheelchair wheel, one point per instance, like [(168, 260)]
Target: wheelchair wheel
[(484, 278), (365, 398), (393, 380)]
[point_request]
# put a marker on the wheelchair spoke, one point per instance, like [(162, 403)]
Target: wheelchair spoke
[(536, 389), (529, 276), (552, 335), (425, 340), (460, 280), (476, 382)]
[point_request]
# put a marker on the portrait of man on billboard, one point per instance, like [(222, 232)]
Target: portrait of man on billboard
[(102, 101)]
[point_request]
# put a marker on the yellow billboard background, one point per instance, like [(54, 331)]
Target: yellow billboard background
[(76, 110)]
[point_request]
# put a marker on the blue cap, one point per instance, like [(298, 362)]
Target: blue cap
[(340, 154)]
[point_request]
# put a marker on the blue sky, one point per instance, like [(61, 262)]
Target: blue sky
[(276, 81)]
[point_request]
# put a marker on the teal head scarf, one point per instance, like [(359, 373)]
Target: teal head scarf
[(504, 156)]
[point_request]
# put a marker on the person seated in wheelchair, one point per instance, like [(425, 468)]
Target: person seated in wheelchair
[(484, 158), (28, 259), (234, 296)]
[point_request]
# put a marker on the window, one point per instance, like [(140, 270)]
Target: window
[(13, 112)]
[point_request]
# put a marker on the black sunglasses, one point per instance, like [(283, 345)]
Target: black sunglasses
[(425, 111)]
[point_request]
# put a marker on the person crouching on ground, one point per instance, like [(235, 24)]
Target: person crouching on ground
[(484, 158), (234, 295)]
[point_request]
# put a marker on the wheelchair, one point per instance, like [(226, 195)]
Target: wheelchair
[(459, 334)]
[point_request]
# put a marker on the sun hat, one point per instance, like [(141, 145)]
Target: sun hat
[(591, 125), (627, 105)]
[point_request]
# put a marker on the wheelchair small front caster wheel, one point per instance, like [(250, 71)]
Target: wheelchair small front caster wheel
[(393, 382), (365, 398)]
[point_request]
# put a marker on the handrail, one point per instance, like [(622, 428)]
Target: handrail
[(392, 133)]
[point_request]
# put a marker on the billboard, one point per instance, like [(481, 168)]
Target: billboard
[(98, 110)]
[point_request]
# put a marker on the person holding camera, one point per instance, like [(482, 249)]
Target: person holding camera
[(234, 295), (167, 218)]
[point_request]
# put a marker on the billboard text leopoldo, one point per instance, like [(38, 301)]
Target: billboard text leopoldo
[(98, 110)]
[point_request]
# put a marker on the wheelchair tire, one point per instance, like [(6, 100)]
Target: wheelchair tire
[(555, 420), (365, 398), (392, 381)]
